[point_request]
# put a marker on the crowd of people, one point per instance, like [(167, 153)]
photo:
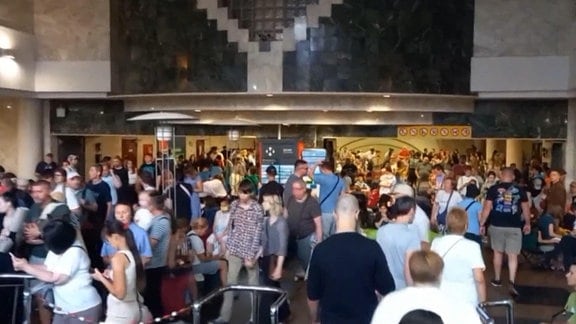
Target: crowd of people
[(127, 244)]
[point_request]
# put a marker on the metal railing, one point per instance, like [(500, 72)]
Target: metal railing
[(254, 294), (26, 296), (485, 317)]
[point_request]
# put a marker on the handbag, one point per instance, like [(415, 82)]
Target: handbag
[(442, 215)]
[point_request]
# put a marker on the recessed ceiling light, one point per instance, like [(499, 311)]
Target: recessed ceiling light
[(325, 110), (197, 110), (269, 95), (421, 115), (8, 107), (152, 108), (386, 96), (101, 112)]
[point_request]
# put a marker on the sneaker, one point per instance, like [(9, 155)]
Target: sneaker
[(496, 283), (513, 290)]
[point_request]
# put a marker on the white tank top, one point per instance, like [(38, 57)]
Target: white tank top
[(116, 305)]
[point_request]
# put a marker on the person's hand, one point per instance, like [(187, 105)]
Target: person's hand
[(483, 230), (98, 276), (107, 273), (526, 229), (277, 274), (19, 264), (249, 263), (31, 231)]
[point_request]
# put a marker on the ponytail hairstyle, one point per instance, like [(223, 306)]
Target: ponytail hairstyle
[(114, 226)]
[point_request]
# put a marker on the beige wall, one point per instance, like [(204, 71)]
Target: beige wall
[(76, 30), (8, 135), (112, 145), (17, 14)]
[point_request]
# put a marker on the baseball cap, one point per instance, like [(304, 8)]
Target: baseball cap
[(401, 190), (72, 174), (271, 170)]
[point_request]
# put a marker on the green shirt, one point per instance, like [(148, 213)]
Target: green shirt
[(61, 211)]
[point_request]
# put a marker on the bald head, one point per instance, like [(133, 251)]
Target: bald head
[(347, 208)]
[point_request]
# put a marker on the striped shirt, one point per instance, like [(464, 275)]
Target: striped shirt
[(245, 230)]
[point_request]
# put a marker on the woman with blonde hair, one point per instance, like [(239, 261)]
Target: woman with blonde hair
[(238, 173), (463, 275), (274, 248)]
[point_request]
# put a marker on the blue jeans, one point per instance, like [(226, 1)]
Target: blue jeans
[(304, 250), (328, 225)]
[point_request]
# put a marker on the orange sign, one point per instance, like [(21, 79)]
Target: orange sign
[(435, 131)]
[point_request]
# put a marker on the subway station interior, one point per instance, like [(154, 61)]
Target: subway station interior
[(377, 84)]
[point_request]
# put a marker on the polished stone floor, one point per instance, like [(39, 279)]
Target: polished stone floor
[(543, 295)]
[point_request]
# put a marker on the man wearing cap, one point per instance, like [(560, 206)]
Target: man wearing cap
[(271, 187), (421, 220), (85, 197)]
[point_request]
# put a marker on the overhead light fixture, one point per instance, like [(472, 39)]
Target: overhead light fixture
[(197, 110), (162, 116), (269, 95), (7, 53), (386, 96)]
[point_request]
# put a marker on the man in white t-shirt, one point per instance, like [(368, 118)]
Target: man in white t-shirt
[(425, 270), (466, 180), (421, 221)]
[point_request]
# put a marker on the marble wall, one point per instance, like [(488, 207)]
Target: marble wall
[(397, 46), (76, 30), (17, 14), (520, 118), (171, 46), (524, 28), (352, 45)]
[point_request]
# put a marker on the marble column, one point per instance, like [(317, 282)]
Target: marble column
[(29, 137), (570, 148), (514, 152)]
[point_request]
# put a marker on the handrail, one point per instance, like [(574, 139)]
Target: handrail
[(258, 289), (16, 275), (484, 316), (26, 296), (507, 303)]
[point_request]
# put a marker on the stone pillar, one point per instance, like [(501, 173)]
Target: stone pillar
[(29, 137), (46, 134), (570, 148), (514, 152)]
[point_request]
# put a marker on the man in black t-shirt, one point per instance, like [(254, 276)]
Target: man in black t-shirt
[(46, 166), (271, 187), (507, 211), (346, 271)]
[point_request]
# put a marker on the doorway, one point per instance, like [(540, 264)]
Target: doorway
[(130, 150)]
